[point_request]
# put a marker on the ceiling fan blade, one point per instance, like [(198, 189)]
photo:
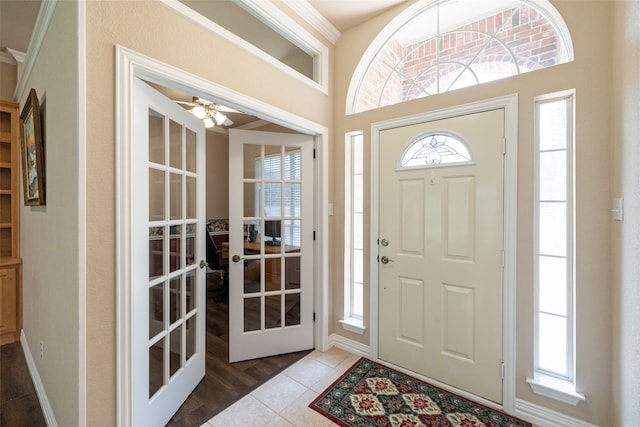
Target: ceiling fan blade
[(185, 103), (227, 109)]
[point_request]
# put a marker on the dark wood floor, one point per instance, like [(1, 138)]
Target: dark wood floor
[(223, 384), (19, 405)]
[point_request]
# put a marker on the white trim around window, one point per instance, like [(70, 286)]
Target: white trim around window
[(554, 262), (353, 318), (284, 25)]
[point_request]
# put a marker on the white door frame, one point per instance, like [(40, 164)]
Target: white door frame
[(129, 65), (510, 105)]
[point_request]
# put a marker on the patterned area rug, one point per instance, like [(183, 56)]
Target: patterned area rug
[(370, 394)]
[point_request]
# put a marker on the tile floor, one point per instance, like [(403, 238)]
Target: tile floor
[(284, 400)]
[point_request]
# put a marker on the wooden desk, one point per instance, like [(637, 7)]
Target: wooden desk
[(253, 248)]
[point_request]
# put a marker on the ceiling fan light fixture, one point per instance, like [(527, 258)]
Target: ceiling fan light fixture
[(219, 117), (208, 123), (199, 112)]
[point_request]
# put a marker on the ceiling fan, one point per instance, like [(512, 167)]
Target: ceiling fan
[(209, 112)]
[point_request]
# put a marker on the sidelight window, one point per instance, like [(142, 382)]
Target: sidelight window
[(354, 234), (554, 263)]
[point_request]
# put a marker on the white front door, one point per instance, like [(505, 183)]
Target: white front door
[(168, 230), (271, 244), (441, 250)]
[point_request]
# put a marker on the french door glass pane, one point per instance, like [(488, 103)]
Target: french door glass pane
[(190, 291), (291, 237), (175, 248), (292, 307), (175, 352), (292, 199), (175, 196), (175, 301), (156, 309), (272, 311), (175, 145), (156, 369), (156, 252), (252, 276), (191, 198), (191, 240), (252, 199), (272, 279), (272, 199), (292, 272), (191, 150), (156, 195), (252, 314), (191, 337), (156, 137), (272, 162), (252, 154)]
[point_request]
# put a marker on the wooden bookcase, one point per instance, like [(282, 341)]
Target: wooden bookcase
[(10, 262)]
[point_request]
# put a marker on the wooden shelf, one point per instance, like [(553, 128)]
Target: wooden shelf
[(10, 262)]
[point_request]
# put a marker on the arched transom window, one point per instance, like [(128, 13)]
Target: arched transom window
[(442, 45), (435, 149)]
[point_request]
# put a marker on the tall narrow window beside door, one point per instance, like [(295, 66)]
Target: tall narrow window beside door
[(354, 235), (554, 358)]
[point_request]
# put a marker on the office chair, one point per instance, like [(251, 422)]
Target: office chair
[(217, 262)]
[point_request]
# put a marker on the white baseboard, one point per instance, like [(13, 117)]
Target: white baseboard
[(47, 410), (545, 417), (349, 345)]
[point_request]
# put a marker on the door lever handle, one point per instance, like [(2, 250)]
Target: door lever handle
[(236, 258), (203, 263), (385, 260)]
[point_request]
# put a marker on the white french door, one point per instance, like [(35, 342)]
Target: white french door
[(441, 251), (168, 230), (271, 244)]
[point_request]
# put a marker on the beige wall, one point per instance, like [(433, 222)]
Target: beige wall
[(153, 30), (625, 172), (217, 175), (49, 234), (8, 80), (589, 74)]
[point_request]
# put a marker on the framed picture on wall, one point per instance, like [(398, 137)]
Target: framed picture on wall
[(32, 148)]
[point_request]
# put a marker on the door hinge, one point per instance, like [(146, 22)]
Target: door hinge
[(314, 316), (314, 235), (501, 369), (314, 153)]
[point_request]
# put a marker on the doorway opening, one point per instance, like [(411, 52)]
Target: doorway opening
[(132, 65)]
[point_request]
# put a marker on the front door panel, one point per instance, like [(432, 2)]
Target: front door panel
[(440, 292)]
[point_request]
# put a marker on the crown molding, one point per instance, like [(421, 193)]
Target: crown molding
[(37, 37), (310, 14), (7, 58), (17, 55)]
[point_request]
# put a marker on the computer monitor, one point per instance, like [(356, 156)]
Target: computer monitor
[(272, 230)]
